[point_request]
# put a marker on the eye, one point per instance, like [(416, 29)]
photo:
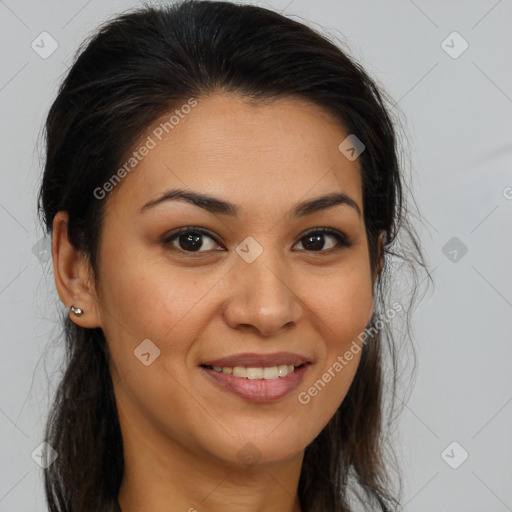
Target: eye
[(190, 239), (314, 240)]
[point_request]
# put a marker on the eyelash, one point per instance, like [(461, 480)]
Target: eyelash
[(341, 238)]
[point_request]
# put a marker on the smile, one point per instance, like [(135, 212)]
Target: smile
[(255, 373), (257, 384)]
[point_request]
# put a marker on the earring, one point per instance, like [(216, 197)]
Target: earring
[(76, 311)]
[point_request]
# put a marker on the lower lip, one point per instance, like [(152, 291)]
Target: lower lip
[(258, 390)]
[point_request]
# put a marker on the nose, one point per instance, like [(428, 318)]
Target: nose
[(262, 296)]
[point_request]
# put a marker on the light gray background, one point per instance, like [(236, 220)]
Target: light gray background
[(458, 114)]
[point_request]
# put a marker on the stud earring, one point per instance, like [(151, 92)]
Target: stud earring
[(76, 311)]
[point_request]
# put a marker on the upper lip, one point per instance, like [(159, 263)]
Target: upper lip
[(259, 360)]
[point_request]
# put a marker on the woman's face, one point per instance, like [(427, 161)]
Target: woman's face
[(244, 282)]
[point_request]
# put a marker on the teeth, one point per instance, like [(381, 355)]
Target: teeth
[(239, 371), (267, 373), (254, 373), (272, 372)]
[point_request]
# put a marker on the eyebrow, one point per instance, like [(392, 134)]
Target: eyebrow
[(216, 205)]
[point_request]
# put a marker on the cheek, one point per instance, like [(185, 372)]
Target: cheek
[(343, 305), (343, 301), (145, 299), (144, 295)]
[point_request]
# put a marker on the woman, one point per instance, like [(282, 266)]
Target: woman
[(223, 192)]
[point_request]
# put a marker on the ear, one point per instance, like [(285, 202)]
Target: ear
[(73, 275)]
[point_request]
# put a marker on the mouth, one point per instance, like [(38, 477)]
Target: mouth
[(256, 372), (258, 378)]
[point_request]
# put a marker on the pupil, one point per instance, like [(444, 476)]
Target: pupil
[(192, 241), (317, 242)]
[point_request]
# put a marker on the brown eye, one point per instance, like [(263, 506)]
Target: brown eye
[(315, 240), (190, 239)]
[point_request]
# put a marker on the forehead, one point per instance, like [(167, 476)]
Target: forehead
[(263, 155)]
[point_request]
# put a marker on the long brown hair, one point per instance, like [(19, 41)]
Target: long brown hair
[(136, 68)]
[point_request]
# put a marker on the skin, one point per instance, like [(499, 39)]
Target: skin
[(183, 434)]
